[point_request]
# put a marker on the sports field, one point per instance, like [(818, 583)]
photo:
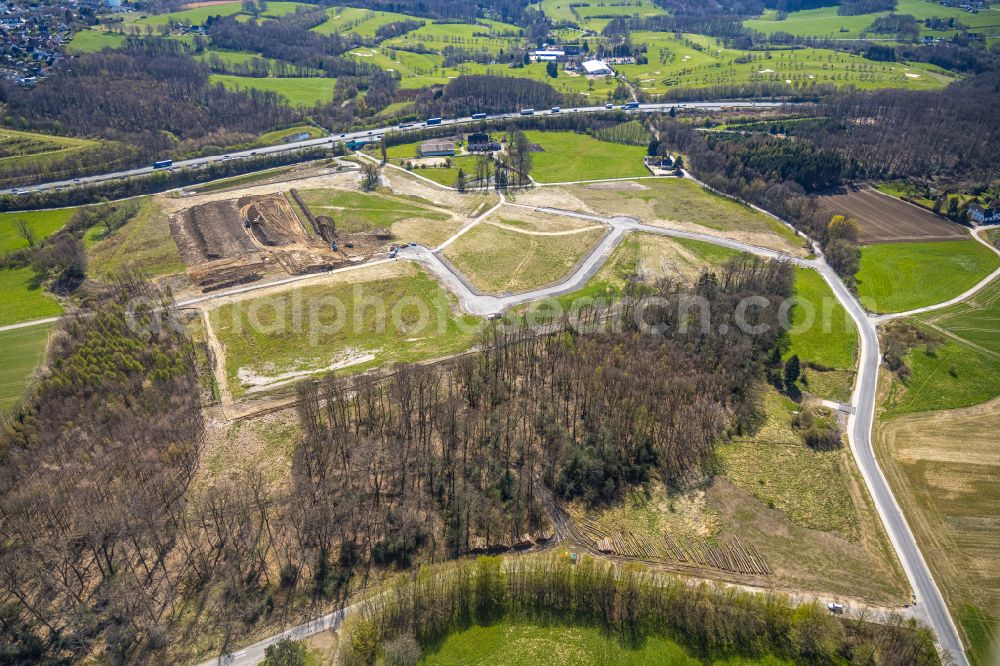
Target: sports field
[(895, 277), (21, 351), (697, 61)]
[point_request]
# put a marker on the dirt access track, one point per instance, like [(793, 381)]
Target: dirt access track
[(885, 219)]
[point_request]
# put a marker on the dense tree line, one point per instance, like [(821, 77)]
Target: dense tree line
[(629, 604), (95, 465), (289, 38), (141, 98), (105, 543), (466, 95), (856, 7), (950, 133)]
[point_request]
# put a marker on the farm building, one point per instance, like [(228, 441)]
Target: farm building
[(437, 148), (481, 142), (549, 54), (596, 68), (983, 215)]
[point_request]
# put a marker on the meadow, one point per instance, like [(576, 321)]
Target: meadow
[(499, 260), (354, 20), (32, 148), (821, 332), (21, 351), (975, 320), (515, 644), (22, 299), (679, 202), (355, 212), (144, 243), (299, 91), (949, 375), (368, 318), (776, 467), (42, 223), (824, 21), (568, 156), (896, 277)]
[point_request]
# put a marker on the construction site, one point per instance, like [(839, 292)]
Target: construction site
[(242, 240)]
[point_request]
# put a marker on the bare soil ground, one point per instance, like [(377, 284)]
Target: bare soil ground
[(884, 219), (944, 467)]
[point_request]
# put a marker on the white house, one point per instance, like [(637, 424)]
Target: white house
[(596, 68)]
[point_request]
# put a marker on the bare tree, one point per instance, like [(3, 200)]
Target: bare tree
[(25, 231), (371, 173)]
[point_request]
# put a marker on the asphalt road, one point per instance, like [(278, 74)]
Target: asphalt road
[(930, 603), (363, 134)]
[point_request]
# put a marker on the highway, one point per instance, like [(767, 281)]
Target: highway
[(930, 602), (332, 140)]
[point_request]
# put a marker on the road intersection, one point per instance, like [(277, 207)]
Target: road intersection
[(930, 603)]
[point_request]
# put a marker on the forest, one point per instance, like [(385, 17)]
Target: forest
[(109, 95), (107, 543), (629, 604)]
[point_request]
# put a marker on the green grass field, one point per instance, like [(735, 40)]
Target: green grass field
[(975, 320), (776, 467), (398, 314), (31, 148), (355, 211), (498, 260), (22, 300), (821, 330), (21, 351), (491, 36), (94, 40), (684, 201), (289, 134), (824, 21), (570, 156), (144, 243), (43, 223), (354, 20), (895, 277), (198, 15), (950, 376), (650, 256), (306, 91), (509, 644), (697, 61)]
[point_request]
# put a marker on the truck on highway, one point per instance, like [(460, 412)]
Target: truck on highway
[(163, 164), (479, 116), (527, 112), (433, 121), (631, 106), (556, 109)]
